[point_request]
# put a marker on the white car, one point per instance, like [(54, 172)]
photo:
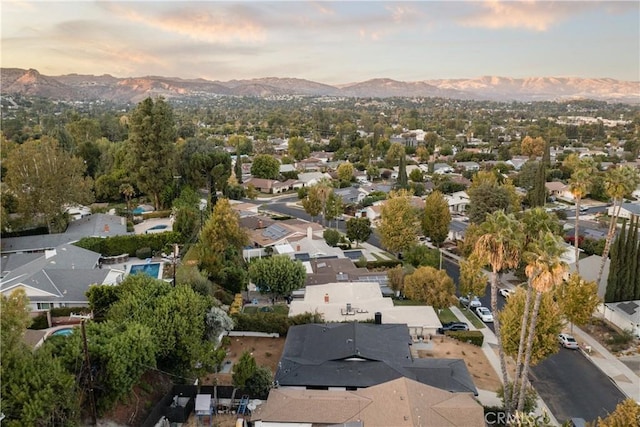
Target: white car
[(567, 341), (484, 314), (506, 293), (473, 303)]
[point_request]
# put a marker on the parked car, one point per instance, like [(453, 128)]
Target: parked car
[(568, 341), (473, 303), (506, 293), (484, 314), (453, 326)]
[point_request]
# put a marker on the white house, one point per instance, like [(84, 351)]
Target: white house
[(627, 210), (458, 201)]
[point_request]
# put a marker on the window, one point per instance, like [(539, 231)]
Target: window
[(45, 305)]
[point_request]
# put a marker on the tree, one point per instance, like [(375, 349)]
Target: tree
[(499, 245), (431, 286), (331, 236), (619, 182), (416, 175), (152, 136), (398, 224), (175, 316), (312, 203), (49, 181), (244, 369), (627, 413), (14, 320), (436, 218), (545, 270), (485, 199), (345, 171), (260, 382), (265, 166), (578, 299), (37, 390), (333, 207), (472, 279), (579, 186), (396, 276), (358, 230), (217, 321), (402, 171), (221, 236), (298, 148), (532, 147), (277, 275), (546, 331)]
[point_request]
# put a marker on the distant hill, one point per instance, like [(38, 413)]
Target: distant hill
[(134, 89)]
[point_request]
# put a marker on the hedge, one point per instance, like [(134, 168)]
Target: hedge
[(156, 214), (271, 322), (473, 337), (129, 244)]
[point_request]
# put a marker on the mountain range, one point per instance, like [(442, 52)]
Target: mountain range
[(77, 87)]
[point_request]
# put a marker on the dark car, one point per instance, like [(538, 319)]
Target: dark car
[(453, 326)]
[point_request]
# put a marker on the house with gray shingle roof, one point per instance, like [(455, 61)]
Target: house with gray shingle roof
[(59, 277), (352, 356)]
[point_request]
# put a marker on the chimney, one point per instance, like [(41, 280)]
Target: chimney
[(309, 233), (297, 248), (259, 223)]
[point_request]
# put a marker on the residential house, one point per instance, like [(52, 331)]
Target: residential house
[(373, 212), (351, 195), (627, 210), (468, 166), (458, 202), (352, 356), (399, 402), (59, 277), (311, 164), (262, 185), (287, 168), (625, 315), (517, 162), (309, 179), (360, 301), (558, 190), (442, 168)]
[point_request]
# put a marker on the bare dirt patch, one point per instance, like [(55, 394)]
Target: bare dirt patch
[(616, 341), (266, 351), (483, 374)]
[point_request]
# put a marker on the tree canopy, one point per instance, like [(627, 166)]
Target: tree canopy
[(278, 275)]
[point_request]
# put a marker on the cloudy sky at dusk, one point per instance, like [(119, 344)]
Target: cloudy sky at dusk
[(327, 42)]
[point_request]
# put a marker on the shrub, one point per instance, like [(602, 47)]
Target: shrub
[(331, 236), (156, 214), (144, 253), (473, 337), (129, 244), (40, 322)]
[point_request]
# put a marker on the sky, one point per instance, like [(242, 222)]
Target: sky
[(332, 42)]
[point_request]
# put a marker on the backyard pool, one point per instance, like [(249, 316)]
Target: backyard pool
[(157, 229), (153, 269), (64, 332)]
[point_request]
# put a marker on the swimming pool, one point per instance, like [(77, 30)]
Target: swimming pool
[(157, 229), (64, 332), (153, 269)]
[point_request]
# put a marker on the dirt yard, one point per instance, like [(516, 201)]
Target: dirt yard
[(484, 376), (266, 351)]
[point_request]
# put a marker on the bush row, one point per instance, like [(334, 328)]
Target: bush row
[(378, 265), (473, 337), (156, 214), (129, 244), (270, 322)]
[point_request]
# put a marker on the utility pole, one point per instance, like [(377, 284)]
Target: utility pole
[(92, 398)]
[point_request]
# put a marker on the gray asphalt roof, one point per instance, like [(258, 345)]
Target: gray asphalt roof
[(361, 355)]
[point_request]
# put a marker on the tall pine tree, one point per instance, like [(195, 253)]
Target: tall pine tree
[(631, 261), (615, 280)]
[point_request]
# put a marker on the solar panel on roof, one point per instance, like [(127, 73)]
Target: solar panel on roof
[(275, 232)]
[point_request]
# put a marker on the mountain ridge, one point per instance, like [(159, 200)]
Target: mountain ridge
[(77, 87)]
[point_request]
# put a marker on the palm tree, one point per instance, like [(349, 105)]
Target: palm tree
[(545, 269), (618, 183), (579, 186), (536, 223), (128, 192), (499, 245)]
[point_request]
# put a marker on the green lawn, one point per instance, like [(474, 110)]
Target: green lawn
[(401, 302), (446, 315), (472, 318)]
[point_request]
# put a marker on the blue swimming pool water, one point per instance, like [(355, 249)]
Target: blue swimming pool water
[(159, 227), (152, 269), (65, 332)]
